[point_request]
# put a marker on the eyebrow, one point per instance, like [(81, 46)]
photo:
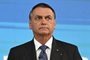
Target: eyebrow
[(44, 16), (48, 15)]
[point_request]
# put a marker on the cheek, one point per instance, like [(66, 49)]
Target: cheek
[(53, 24), (51, 27), (31, 25), (35, 26)]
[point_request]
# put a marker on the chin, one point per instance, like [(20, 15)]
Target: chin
[(44, 33)]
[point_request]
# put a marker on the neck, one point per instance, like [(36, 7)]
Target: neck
[(42, 38)]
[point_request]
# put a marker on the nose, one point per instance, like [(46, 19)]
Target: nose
[(43, 21)]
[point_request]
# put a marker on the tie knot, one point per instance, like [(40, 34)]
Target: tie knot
[(43, 47)]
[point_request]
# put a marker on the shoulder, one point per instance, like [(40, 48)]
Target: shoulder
[(68, 48), (22, 47), (66, 45), (17, 52)]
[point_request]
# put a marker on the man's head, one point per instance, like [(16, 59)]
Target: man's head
[(43, 5), (42, 19)]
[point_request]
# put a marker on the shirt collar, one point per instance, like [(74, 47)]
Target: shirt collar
[(48, 43)]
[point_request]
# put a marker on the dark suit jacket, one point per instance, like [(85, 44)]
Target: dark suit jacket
[(60, 51)]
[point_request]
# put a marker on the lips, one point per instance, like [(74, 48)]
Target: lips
[(43, 28)]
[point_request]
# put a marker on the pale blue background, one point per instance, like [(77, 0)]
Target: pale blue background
[(73, 23)]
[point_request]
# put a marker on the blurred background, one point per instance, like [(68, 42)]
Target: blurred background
[(73, 23)]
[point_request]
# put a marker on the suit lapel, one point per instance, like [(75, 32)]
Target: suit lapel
[(57, 51), (31, 51)]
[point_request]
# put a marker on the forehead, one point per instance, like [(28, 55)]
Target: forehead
[(42, 11)]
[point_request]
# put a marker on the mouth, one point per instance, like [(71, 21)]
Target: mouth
[(43, 28)]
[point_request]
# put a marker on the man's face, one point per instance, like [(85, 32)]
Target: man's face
[(42, 21)]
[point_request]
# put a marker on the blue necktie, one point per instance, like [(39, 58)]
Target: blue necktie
[(43, 55)]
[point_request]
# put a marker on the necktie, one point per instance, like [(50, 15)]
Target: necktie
[(43, 55)]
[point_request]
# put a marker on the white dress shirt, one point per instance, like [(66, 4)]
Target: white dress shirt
[(48, 50)]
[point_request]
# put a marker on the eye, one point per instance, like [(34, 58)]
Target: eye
[(38, 17), (48, 18)]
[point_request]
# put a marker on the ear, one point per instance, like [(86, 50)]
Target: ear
[(30, 25)]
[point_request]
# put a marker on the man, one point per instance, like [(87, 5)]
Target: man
[(44, 46)]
